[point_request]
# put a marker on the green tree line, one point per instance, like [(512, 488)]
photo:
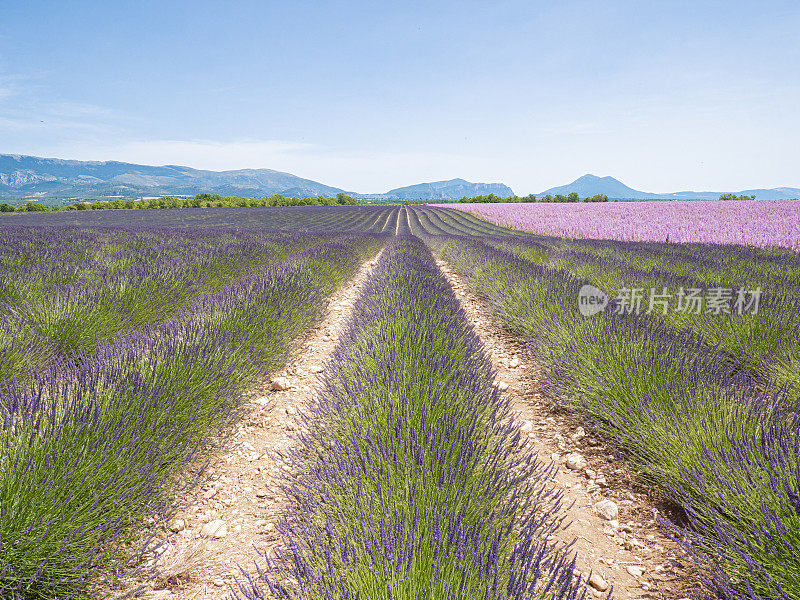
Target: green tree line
[(735, 197), (573, 197), (199, 201)]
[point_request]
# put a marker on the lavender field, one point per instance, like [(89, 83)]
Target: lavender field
[(127, 349), (748, 223)]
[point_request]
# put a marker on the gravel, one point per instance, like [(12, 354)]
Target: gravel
[(598, 583), (177, 525), (214, 529), (606, 509), (575, 461), (280, 384)]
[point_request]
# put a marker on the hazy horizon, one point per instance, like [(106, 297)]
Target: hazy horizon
[(373, 96)]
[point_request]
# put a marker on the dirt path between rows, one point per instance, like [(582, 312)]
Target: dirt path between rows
[(628, 550), (233, 515)]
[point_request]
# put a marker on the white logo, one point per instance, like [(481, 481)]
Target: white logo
[(591, 300)]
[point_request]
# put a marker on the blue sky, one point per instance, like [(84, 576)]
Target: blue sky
[(664, 95)]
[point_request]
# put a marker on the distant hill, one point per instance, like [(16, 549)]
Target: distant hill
[(589, 185), (50, 178), (454, 188), (24, 176)]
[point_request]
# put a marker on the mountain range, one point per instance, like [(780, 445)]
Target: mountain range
[(31, 177), (589, 185), (454, 188), (34, 177), (25, 176)]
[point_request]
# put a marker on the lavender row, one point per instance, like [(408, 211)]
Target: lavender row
[(66, 290), (295, 219), (413, 481), (690, 421), (92, 447), (751, 319), (429, 220)]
